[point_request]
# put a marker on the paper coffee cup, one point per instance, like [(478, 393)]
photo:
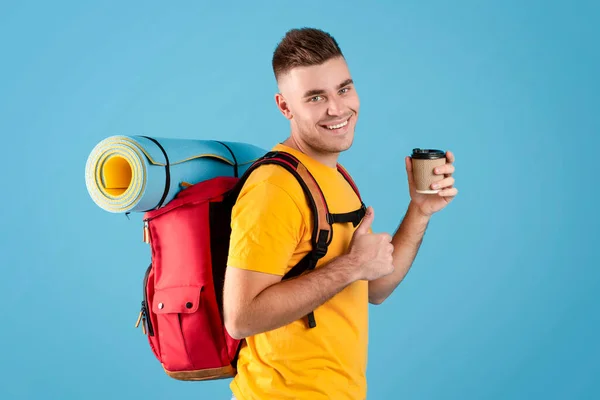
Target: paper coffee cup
[(424, 162)]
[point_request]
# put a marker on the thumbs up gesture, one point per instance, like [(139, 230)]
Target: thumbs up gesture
[(371, 252)]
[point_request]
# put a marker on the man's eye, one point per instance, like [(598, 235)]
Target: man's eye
[(344, 90), (315, 98)]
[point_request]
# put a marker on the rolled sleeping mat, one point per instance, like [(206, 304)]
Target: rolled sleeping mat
[(140, 173)]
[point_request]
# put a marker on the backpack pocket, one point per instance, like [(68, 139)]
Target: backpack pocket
[(186, 341)]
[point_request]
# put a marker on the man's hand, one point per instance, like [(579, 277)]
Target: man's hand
[(371, 253), (428, 204)]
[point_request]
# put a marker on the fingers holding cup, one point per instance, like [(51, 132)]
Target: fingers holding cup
[(446, 169), (448, 193), (443, 184)]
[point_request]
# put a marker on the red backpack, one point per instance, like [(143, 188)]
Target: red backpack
[(182, 306)]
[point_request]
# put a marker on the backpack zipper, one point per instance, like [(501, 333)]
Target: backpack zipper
[(144, 316)]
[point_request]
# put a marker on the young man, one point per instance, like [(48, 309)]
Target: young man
[(271, 232)]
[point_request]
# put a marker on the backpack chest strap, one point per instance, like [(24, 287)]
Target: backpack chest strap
[(353, 216)]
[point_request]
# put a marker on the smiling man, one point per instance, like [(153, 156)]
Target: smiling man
[(271, 232)]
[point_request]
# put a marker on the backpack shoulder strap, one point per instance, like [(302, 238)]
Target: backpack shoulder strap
[(322, 230), (322, 222), (348, 178), (353, 216)]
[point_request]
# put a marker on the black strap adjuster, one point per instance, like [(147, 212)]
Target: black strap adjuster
[(355, 216), (320, 250), (320, 246)]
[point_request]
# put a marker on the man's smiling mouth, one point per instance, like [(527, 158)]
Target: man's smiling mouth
[(337, 125)]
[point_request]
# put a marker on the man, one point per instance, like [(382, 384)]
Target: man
[(271, 231)]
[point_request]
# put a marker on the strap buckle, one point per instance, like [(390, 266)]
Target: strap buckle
[(361, 213), (320, 250), (329, 218)]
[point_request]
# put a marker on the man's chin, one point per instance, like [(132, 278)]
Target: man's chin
[(341, 143)]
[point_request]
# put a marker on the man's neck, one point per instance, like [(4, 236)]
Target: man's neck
[(328, 159)]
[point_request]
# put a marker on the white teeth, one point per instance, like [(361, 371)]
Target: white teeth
[(338, 125)]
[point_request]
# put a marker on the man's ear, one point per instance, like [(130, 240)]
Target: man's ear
[(283, 106)]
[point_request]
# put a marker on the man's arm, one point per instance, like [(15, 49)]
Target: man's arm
[(267, 228), (409, 236), (407, 241), (256, 302)]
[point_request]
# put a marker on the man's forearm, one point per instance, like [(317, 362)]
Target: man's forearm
[(290, 300), (407, 241)]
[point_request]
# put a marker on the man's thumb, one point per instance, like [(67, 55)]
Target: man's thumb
[(365, 224)]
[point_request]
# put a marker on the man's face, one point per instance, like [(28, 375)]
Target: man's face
[(322, 105)]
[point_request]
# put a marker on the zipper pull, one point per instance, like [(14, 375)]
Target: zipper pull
[(137, 324), (144, 325), (146, 232), (142, 318)]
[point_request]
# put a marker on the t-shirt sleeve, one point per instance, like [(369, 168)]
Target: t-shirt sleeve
[(266, 227)]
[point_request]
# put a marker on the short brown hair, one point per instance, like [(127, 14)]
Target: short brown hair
[(304, 47)]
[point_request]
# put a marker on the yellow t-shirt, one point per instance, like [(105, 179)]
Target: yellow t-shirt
[(271, 232)]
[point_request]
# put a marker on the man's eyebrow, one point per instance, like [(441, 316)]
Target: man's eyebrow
[(345, 83), (315, 92)]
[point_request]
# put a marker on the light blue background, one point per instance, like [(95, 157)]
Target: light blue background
[(502, 301)]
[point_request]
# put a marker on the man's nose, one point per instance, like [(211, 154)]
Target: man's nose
[(335, 106)]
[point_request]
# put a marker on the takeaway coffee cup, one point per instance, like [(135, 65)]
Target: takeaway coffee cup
[(424, 162)]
